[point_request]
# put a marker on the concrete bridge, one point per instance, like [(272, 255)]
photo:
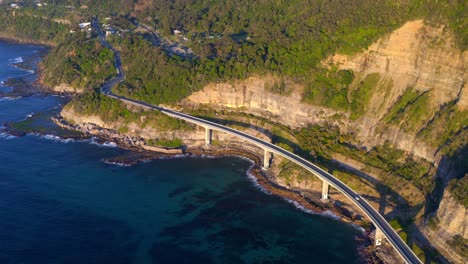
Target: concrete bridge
[(383, 228)]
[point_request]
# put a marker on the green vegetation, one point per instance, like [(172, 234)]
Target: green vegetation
[(433, 222), (233, 41), (154, 77), (362, 95), (448, 122), (329, 88), (396, 225), (401, 228), (411, 111), (460, 245), (459, 189), (34, 28), (111, 110), (123, 129), (319, 142), (278, 87), (290, 170), (79, 62), (170, 143), (452, 12)]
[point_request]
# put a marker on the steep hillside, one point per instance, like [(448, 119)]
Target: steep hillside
[(405, 83), (421, 73), (408, 90)]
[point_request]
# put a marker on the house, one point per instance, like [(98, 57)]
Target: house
[(15, 6), (38, 3), (177, 32), (110, 32), (84, 25)]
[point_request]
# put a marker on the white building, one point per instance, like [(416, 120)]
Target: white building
[(84, 25)]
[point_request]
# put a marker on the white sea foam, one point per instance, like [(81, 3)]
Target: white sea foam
[(254, 180), (16, 60), (57, 138), (204, 156), (6, 136), (30, 71), (7, 98), (117, 163), (331, 215), (178, 156), (300, 207), (105, 144)]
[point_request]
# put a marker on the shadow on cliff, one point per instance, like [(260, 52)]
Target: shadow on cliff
[(453, 166), (403, 211)]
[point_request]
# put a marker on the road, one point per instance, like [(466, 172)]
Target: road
[(393, 238)]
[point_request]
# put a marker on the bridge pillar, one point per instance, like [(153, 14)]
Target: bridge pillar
[(325, 189), (266, 159), (208, 133), (379, 236)]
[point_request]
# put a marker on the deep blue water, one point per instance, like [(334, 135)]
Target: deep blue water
[(59, 203)]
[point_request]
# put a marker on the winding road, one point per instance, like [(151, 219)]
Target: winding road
[(380, 223)]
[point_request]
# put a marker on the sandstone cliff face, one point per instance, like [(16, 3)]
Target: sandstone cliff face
[(251, 96), (452, 220), (190, 138), (416, 55), (148, 132), (453, 217), (66, 88)]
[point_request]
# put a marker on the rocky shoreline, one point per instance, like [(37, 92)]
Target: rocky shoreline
[(14, 39)]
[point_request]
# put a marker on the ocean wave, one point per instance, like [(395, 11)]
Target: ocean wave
[(302, 208), (6, 136), (57, 138), (117, 163), (7, 98), (16, 60), (178, 156), (30, 71), (254, 180), (105, 144)]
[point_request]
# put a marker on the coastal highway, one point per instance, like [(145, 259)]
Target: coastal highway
[(380, 223)]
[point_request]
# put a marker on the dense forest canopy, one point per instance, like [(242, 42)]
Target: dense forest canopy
[(237, 39)]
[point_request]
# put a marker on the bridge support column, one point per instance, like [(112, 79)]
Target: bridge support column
[(325, 189), (266, 159), (379, 236), (208, 133)]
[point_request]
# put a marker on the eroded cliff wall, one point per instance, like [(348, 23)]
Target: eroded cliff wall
[(417, 56)]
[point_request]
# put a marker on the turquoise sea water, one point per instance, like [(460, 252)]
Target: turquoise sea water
[(59, 203)]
